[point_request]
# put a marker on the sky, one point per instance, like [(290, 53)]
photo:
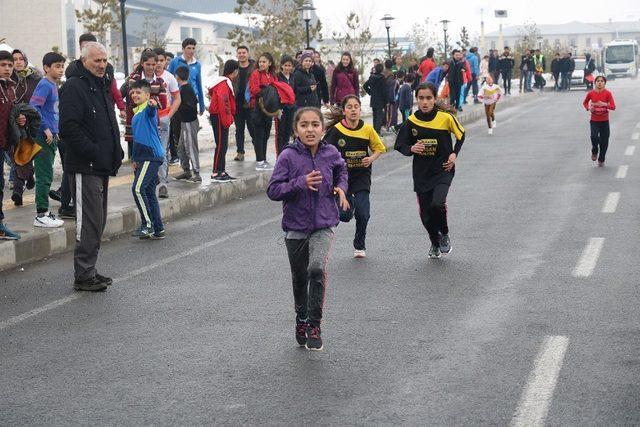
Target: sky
[(467, 13)]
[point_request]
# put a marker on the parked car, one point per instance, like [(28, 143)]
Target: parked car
[(577, 78)]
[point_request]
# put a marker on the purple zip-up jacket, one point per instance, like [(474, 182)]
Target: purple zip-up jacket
[(305, 210)]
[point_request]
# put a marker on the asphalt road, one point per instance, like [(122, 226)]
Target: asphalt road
[(533, 318)]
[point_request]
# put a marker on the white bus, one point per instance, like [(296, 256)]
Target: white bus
[(620, 58)]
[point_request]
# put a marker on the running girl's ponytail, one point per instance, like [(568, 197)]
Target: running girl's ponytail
[(336, 114), (440, 105)]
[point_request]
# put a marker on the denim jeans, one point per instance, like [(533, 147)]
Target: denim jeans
[(360, 207)]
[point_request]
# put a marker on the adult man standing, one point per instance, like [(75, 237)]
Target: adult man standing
[(455, 78), (93, 153), (474, 62), (188, 59), (427, 66), (565, 65), (506, 64), (526, 71), (555, 70), (242, 117)]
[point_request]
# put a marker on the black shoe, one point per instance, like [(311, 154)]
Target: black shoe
[(17, 199), (314, 340), (158, 235), (163, 192), (434, 252), (106, 280), (301, 333), (196, 178), (55, 195), (69, 213), (445, 244), (89, 285), (31, 182), (183, 175)]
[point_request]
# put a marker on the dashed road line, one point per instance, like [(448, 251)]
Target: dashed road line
[(589, 259), (536, 397), (631, 149), (611, 203), (622, 172)]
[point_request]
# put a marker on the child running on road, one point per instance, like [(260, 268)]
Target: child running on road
[(490, 94), (427, 137), (309, 173), (147, 155), (599, 101), (360, 146)]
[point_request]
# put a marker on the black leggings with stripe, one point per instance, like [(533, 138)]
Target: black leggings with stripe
[(221, 135)]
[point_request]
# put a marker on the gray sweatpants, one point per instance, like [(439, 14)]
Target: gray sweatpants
[(91, 217), (188, 146), (163, 172), (308, 259)]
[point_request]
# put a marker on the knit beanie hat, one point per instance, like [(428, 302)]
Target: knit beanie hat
[(306, 54)]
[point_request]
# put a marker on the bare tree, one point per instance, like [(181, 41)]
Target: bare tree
[(104, 19), (422, 37), (356, 38)]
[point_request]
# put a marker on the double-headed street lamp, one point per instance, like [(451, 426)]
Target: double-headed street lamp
[(445, 26), (387, 24), (123, 25), (306, 9)]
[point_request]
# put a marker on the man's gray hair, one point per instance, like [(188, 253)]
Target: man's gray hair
[(89, 46)]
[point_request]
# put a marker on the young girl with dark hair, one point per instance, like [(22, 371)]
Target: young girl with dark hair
[(284, 124), (344, 81), (360, 146), (427, 137), (308, 175), (599, 101), (261, 77)]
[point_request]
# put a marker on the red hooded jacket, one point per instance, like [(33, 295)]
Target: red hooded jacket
[(223, 102), (257, 81)]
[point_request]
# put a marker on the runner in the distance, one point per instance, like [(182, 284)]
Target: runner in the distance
[(360, 146), (490, 93), (599, 101), (427, 137)]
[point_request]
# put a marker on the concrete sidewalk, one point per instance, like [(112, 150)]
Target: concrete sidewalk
[(185, 198)]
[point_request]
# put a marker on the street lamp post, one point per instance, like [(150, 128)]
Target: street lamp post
[(387, 24), (540, 39), (306, 9), (123, 25), (445, 26)]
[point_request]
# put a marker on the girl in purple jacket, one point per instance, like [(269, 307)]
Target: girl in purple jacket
[(308, 175)]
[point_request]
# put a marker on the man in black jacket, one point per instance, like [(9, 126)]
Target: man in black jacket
[(376, 89), (455, 79), (93, 153), (242, 117), (565, 67), (555, 70), (506, 64)]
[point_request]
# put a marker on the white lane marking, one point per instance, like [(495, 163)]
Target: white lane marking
[(57, 303), (630, 150), (611, 203), (622, 172), (24, 316), (635, 136), (536, 397), (589, 259)]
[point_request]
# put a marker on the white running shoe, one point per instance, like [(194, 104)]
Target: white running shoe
[(49, 220), (259, 166), (490, 131), (266, 166), (359, 253), (493, 124)]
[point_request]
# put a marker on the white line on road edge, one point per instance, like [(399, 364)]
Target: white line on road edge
[(635, 136), (589, 258), (57, 303), (622, 172), (536, 397), (611, 203), (630, 150)]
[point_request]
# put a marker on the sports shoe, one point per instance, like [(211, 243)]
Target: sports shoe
[(69, 213), (314, 340), (55, 195), (239, 157), (267, 166), (259, 166), (146, 233), (445, 244), (434, 252), (158, 235), (7, 234), (183, 175), (163, 192), (174, 160), (600, 164), (17, 199), (196, 178), (490, 131), (222, 177), (48, 220), (594, 157), (359, 253), (106, 280), (137, 233), (92, 284), (301, 333)]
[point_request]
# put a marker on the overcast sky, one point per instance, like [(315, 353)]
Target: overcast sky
[(467, 13)]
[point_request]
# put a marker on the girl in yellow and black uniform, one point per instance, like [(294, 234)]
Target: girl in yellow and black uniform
[(360, 146), (426, 136)]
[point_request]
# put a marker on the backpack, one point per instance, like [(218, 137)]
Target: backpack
[(269, 101)]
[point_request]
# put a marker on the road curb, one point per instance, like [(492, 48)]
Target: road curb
[(42, 244)]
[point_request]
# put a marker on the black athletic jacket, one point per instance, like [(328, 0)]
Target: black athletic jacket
[(88, 125)]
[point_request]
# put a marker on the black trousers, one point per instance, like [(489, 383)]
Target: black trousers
[(556, 79), (221, 136), (600, 139), (174, 136), (454, 95), (433, 211), (242, 119), (360, 207), (261, 131), (284, 126), (65, 186), (506, 80), (378, 118)]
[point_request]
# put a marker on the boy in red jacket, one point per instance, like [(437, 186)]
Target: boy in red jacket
[(598, 102), (221, 110)]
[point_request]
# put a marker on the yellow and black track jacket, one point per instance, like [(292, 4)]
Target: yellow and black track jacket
[(354, 145), (434, 130)]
